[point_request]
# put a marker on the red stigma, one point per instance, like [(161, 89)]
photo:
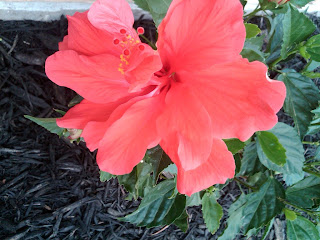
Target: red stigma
[(140, 30), (123, 31), (141, 47), (116, 41), (126, 52)]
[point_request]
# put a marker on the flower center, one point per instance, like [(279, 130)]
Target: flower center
[(128, 45)]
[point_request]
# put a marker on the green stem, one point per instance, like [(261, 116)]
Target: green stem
[(306, 66), (312, 164), (154, 47), (311, 143), (311, 172), (252, 14), (312, 213), (279, 59), (245, 184)]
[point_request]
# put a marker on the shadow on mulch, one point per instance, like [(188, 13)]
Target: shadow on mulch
[(50, 188)]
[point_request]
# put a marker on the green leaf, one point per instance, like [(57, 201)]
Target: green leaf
[(290, 215), (250, 163), (313, 47), (266, 4), (158, 159), (257, 179), (317, 154), (311, 74), (301, 228), (288, 138), (243, 2), (48, 123), (300, 3), (194, 200), (129, 181), (212, 212), (297, 27), (313, 65), (144, 180), (142, 4), (263, 205), (182, 221), (235, 219), (276, 39), (272, 148), (315, 123), (268, 229), (157, 8), (252, 49), (77, 99), (60, 111), (302, 97), (172, 168), (234, 145), (158, 207), (252, 30), (304, 192), (105, 176)]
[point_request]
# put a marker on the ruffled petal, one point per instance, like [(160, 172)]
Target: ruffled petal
[(198, 34), (127, 139), (86, 39), (186, 122), (215, 170), (84, 112), (143, 63), (112, 16), (95, 78), (95, 130), (239, 97)]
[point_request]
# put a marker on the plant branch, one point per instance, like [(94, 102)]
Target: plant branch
[(154, 47), (311, 143), (252, 14), (279, 59), (245, 184), (312, 213)]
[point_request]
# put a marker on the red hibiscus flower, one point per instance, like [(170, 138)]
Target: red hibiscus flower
[(189, 95)]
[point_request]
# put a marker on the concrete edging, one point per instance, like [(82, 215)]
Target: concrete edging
[(48, 10)]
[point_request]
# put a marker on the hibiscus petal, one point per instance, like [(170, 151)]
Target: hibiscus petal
[(84, 112), (94, 131), (86, 39), (127, 139), (215, 170), (198, 34), (64, 44), (95, 78), (112, 16), (143, 63), (239, 97), (187, 122)]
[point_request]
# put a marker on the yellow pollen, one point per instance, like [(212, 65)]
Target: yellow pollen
[(127, 43)]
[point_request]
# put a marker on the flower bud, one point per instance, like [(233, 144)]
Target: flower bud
[(74, 133), (279, 2)]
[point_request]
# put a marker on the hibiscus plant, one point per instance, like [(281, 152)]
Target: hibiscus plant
[(178, 120)]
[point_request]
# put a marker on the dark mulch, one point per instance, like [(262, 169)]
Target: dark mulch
[(50, 188)]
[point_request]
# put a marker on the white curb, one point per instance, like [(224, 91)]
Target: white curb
[(47, 10)]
